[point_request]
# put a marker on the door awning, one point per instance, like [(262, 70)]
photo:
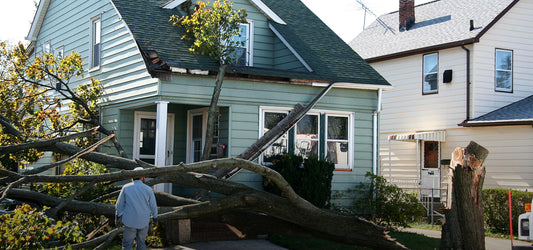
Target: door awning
[(425, 136)]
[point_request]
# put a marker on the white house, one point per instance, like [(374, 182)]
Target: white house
[(461, 71)]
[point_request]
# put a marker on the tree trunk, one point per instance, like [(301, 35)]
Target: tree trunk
[(211, 114), (464, 227)]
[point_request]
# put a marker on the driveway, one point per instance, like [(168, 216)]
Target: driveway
[(490, 243)]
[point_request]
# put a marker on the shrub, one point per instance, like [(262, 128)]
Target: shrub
[(496, 208), (311, 179), (387, 204), (27, 228)]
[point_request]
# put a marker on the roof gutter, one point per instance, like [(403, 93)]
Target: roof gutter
[(496, 123), (375, 134)]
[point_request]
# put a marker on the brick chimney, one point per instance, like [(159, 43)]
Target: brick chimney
[(406, 14)]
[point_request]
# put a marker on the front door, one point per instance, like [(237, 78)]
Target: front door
[(144, 137), (430, 168)]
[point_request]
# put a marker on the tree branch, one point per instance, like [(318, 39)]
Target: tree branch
[(73, 157)]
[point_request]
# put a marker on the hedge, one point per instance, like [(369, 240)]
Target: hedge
[(496, 208)]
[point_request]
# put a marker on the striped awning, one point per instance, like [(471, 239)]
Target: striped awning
[(425, 136)]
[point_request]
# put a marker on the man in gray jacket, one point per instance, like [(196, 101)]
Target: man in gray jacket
[(135, 205)]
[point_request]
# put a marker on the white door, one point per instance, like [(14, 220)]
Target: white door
[(430, 168), (144, 137)]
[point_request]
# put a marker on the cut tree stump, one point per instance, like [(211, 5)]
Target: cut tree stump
[(464, 226)]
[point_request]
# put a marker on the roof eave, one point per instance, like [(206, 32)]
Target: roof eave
[(496, 123), (38, 20), (349, 85)]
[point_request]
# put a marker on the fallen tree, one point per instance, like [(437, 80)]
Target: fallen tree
[(289, 209)]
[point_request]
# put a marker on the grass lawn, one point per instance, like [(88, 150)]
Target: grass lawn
[(410, 240)]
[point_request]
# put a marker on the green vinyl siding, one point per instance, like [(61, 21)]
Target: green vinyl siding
[(123, 71), (129, 87)]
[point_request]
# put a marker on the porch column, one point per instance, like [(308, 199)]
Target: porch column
[(161, 142)]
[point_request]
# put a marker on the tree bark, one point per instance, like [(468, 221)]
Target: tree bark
[(464, 226), (212, 113)]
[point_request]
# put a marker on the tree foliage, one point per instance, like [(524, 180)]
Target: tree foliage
[(213, 29), (28, 228), (32, 98)]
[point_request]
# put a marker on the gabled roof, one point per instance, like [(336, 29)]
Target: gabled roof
[(516, 113), (439, 24), (326, 54)]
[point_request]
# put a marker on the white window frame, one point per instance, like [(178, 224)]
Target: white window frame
[(350, 117), (59, 53), (96, 39), (317, 140), (496, 70), (326, 113), (248, 46), (47, 47), (262, 124), (424, 74)]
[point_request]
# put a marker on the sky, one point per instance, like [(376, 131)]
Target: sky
[(345, 17)]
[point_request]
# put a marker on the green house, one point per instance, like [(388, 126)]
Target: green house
[(157, 92)]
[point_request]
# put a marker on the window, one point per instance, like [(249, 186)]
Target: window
[(307, 136), (270, 120), (243, 51), (504, 70), (46, 47), (327, 135), (431, 72), (95, 41), (58, 53), (338, 140)]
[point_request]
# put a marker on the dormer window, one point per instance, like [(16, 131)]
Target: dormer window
[(243, 50)]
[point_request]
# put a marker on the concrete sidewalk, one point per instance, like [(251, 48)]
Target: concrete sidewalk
[(259, 244), (490, 243)]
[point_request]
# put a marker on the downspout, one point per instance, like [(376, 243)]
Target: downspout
[(467, 83), (375, 134)]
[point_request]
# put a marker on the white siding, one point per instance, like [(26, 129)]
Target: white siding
[(509, 162), (513, 32), (405, 108)]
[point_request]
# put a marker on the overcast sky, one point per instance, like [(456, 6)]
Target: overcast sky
[(345, 17)]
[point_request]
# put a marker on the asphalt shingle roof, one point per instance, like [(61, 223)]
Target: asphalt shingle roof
[(520, 110), (437, 23), (330, 58)]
